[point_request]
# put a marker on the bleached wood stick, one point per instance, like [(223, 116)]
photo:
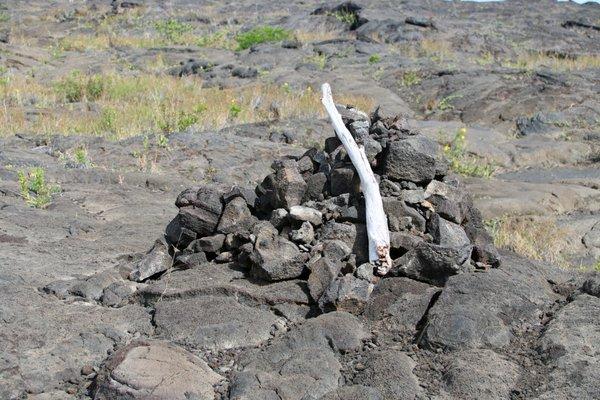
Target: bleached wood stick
[(377, 225)]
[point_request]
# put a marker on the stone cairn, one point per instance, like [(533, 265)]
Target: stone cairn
[(306, 219)]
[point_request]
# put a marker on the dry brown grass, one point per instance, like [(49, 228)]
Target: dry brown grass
[(533, 237), (126, 105), (318, 35), (535, 60)]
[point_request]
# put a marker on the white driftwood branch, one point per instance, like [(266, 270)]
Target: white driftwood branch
[(377, 225)]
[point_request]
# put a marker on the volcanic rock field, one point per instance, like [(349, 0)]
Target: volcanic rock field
[(178, 219)]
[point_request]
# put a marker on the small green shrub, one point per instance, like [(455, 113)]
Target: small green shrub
[(185, 120), (71, 87), (107, 122), (94, 87), (320, 60), (75, 87), (34, 189), (162, 141), (374, 58), (346, 17), (463, 163), (4, 17), (446, 102), (261, 34), (234, 109), (80, 156), (172, 30), (410, 78)]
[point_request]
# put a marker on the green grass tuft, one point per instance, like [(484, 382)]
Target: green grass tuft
[(34, 189), (172, 30), (374, 58), (261, 34)]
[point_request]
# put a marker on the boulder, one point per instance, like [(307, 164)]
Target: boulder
[(480, 374), (209, 244), (342, 180), (413, 159), (303, 235), (155, 370), (390, 371), (433, 263), (396, 209), (212, 322), (275, 258), (315, 186), (236, 217), (289, 185), (303, 213), (346, 293), (157, 260), (400, 304), (446, 233), (448, 201), (322, 273)]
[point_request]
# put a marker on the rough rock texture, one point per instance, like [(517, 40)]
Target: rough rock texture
[(493, 321), (155, 370)]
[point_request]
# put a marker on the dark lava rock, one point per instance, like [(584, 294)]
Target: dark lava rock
[(156, 261), (244, 72), (414, 159), (346, 293), (400, 304), (213, 322), (275, 258), (236, 217), (472, 310), (322, 273), (390, 371), (433, 263)]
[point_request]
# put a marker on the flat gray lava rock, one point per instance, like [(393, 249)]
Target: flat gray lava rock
[(214, 322), (155, 370)]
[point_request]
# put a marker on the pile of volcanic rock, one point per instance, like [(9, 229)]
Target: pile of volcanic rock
[(307, 219)]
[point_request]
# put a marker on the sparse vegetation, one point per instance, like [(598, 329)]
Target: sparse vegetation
[(437, 50), (223, 38), (346, 17), (410, 78), (34, 189), (319, 60), (172, 30), (4, 17), (537, 238), (128, 105), (374, 58), (463, 163), (446, 102), (534, 60), (261, 34)]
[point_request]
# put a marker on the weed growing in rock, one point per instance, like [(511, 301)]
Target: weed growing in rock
[(374, 58), (346, 17), (71, 87), (319, 60), (34, 189), (162, 141), (186, 120), (446, 102), (234, 109), (4, 17), (261, 34), (410, 78), (222, 39), (461, 162), (172, 30)]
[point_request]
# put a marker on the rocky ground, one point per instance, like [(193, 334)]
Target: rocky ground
[(523, 79)]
